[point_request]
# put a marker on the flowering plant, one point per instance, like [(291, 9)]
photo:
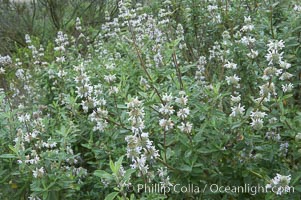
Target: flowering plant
[(196, 93)]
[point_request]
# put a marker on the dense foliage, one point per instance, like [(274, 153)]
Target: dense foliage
[(166, 95)]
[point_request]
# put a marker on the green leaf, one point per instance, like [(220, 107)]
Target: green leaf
[(188, 154), (122, 106), (236, 125), (7, 156), (103, 174), (298, 188), (112, 166), (111, 196), (13, 149), (128, 173), (118, 164), (296, 179), (185, 168)]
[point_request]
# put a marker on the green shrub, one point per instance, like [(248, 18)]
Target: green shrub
[(171, 100)]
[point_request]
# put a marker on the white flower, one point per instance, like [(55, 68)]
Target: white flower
[(257, 124), (272, 136), (211, 8), (166, 109), (284, 148), (270, 72), (134, 103), (273, 57), (247, 27), (237, 110), (202, 60), (185, 127), (166, 124), (280, 184), (298, 137), (110, 78), (144, 83), (287, 87), (247, 19), (24, 118), (230, 65), (151, 152), (297, 8), (162, 172), (267, 89), (273, 120), (285, 65), (257, 114), (167, 98), (27, 39), (113, 90), (78, 24), (33, 198), (182, 100), (247, 40), (140, 163), (183, 113), (235, 99), (285, 76), (85, 90), (275, 45), (232, 80), (2, 70), (61, 73), (38, 172), (253, 54)]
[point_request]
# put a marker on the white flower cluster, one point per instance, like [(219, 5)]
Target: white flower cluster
[(37, 173), (37, 54), (78, 26), (245, 37), (271, 135), (274, 55), (248, 27), (164, 178), (248, 40), (180, 36), (284, 148), (166, 109), (257, 119), (164, 13), (200, 72), (139, 141), (183, 113), (4, 61), (136, 114), (280, 184), (61, 41), (216, 52), (111, 79), (297, 8), (233, 80), (277, 67), (145, 29), (91, 96), (214, 14), (144, 83), (237, 109), (30, 136)]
